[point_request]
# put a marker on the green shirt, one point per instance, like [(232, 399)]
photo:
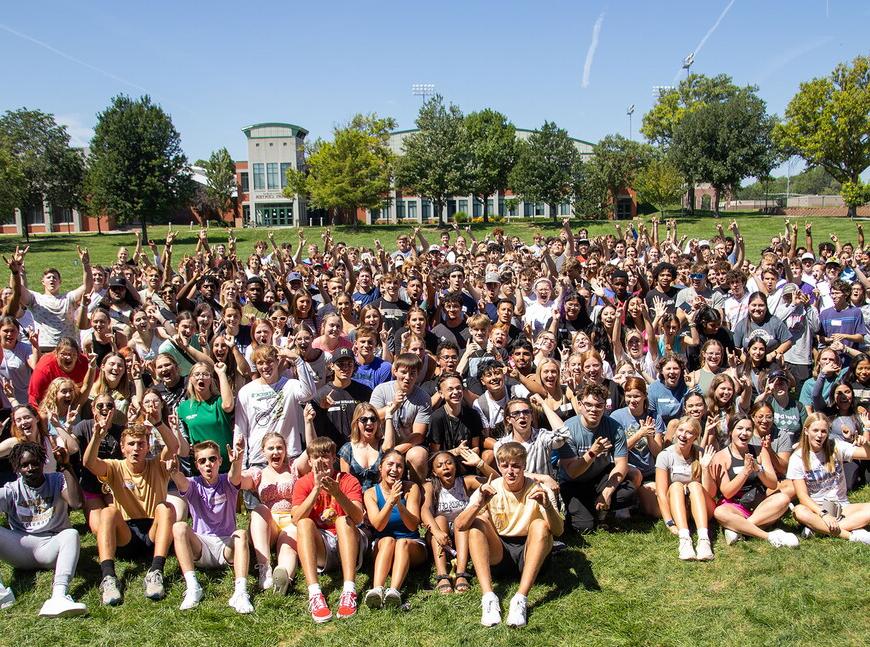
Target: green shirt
[(207, 421)]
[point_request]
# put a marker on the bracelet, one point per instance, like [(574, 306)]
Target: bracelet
[(592, 455), (670, 523)]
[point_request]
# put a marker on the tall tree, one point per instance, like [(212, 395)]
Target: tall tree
[(13, 183), (220, 176), (592, 199), (722, 143), (137, 171), (351, 172), (492, 147), (618, 161), (40, 147), (434, 160), (548, 167), (662, 121), (828, 123), (660, 183)]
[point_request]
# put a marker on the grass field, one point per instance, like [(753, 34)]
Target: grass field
[(58, 250), (620, 588)]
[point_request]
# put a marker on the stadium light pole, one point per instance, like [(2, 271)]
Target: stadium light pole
[(629, 112), (687, 63), (424, 90)]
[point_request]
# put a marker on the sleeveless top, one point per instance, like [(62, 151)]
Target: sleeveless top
[(367, 476), (100, 349), (753, 490), (278, 497), (395, 527), (146, 353), (451, 501)]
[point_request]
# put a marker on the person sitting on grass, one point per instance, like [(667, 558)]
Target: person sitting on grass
[(816, 470), (327, 508), (212, 540), (511, 522), (139, 523), (36, 506), (744, 474), (683, 473), (393, 508), (445, 495)]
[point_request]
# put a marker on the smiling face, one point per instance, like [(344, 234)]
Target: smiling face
[(686, 436), (25, 422), (392, 468), (592, 411), (671, 373), (114, 368), (275, 451), (724, 393)]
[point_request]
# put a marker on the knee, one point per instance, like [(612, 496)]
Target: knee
[(165, 513), (695, 488), (70, 535), (179, 530), (676, 488), (306, 527), (538, 530), (417, 455)]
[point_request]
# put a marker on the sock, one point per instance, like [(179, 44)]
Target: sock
[(684, 534), (349, 587), (190, 580), (107, 568), (520, 597), (314, 589), (702, 534), (241, 585), (58, 591), (157, 564)]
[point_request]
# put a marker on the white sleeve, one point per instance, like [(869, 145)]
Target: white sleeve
[(303, 387)]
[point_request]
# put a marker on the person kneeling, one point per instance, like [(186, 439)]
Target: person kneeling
[(511, 522), (212, 540), (36, 506)]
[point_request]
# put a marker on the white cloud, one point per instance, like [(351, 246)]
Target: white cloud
[(780, 61), (79, 133), (590, 53)]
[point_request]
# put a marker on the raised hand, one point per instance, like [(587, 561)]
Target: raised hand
[(487, 491), (707, 456), (84, 257), (238, 452), (601, 446)]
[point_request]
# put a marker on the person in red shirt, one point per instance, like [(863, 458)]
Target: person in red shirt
[(66, 361), (327, 508)]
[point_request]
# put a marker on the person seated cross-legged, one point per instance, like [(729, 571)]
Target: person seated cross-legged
[(511, 522)]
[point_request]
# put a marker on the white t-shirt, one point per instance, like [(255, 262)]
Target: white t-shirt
[(822, 485), (736, 310), (679, 469), (53, 316)]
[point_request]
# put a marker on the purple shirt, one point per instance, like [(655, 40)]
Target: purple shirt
[(848, 321), (212, 507)]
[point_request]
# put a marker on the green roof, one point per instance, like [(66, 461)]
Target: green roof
[(296, 130)]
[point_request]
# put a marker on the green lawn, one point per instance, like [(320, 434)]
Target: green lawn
[(58, 250)]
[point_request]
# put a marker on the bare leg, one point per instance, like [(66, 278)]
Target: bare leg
[(770, 510), (810, 519), (309, 543), (180, 506), (261, 534), (348, 547), (418, 464), (439, 554), (285, 549), (384, 551), (113, 532), (188, 547), (857, 515), (240, 557), (539, 542), (161, 529), (649, 503), (702, 507), (486, 549), (677, 500), (407, 553)]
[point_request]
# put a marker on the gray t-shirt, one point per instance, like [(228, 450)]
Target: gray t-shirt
[(802, 324), (38, 511), (679, 469), (53, 316), (686, 298), (417, 408)]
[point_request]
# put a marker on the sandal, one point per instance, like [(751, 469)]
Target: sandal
[(443, 587), (462, 587)]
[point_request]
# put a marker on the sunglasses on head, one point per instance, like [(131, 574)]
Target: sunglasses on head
[(206, 459)]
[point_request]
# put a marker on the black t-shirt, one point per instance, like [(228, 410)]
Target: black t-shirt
[(394, 312), (448, 432), (669, 297), (458, 335), (693, 353), (335, 422), (566, 328), (110, 447), (431, 340)]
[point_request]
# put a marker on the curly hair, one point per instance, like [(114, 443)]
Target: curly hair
[(17, 453)]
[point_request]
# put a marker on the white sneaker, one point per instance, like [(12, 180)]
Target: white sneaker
[(687, 553), (264, 575), (703, 552), (517, 612), (731, 537), (374, 598), (392, 598), (807, 532), (491, 611), (192, 598), (7, 597), (241, 602), (781, 538), (861, 536), (62, 606)]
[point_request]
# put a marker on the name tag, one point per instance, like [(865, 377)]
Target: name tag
[(836, 322)]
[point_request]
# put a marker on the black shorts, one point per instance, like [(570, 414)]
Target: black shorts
[(513, 558), (140, 544)]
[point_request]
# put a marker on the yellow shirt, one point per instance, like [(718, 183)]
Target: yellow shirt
[(137, 495), (512, 512)]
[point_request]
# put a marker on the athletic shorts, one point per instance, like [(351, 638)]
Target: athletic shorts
[(333, 559), (513, 558), (140, 544), (736, 505), (214, 551)]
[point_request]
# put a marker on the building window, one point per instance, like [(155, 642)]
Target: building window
[(501, 206), (36, 214), (285, 166), (412, 209), (427, 209), (246, 186), (272, 179), (489, 206), (246, 213), (478, 208), (528, 209), (61, 215), (259, 178), (462, 205), (565, 209)]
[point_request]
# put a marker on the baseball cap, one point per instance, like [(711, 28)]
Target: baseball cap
[(256, 279), (342, 353), (831, 261), (492, 277), (117, 282), (789, 288), (294, 276), (434, 248), (807, 257), (703, 243)]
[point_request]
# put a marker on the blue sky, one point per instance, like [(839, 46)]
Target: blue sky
[(219, 66)]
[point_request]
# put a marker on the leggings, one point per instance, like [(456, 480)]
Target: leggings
[(580, 500), (60, 551)]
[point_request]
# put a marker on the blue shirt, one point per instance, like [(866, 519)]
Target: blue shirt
[(666, 403), (640, 455), (375, 372), (848, 321), (580, 440), (365, 298)]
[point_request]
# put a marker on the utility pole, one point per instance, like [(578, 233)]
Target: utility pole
[(629, 112)]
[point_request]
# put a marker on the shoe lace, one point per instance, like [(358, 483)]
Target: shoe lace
[(316, 603), (347, 599)]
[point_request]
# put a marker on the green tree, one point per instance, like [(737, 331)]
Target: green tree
[(661, 123), (434, 160), (592, 199), (220, 175), (137, 171), (492, 146), (13, 183), (828, 122), (548, 167), (41, 152), (722, 143), (350, 172), (617, 162), (660, 183), (855, 194)]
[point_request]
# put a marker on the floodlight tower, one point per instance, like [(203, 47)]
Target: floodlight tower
[(687, 63), (629, 112), (424, 90)]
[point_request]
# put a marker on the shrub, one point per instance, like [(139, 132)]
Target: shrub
[(460, 217)]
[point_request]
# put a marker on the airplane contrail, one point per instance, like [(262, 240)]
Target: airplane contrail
[(708, 34), (590, 53)]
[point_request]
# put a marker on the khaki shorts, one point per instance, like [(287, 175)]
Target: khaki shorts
[(214, 551)]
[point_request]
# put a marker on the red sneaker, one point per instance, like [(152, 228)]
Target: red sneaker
[(319, 611), (347, 604)]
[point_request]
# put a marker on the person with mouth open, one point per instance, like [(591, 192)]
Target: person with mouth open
[(511, 522)]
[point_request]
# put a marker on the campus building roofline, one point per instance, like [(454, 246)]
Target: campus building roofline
[(297, 131)]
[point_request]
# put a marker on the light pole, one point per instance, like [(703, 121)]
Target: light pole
[(687, 63), (629, 112), (423, 90)]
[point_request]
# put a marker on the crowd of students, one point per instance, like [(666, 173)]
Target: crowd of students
[(456, 405)]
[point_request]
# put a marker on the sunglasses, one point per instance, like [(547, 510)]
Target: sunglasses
[(522, 412), (697, 277), (206, 459), (104, 405), (367, 419)]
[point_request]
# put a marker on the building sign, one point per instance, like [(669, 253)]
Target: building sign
[(269, 195)]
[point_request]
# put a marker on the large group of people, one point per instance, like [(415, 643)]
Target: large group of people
[(455, 405)]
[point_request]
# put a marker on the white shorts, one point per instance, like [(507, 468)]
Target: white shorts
[(333, 559), (214, 551)]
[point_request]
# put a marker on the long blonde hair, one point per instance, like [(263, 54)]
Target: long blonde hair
[(694, 452), (827, 448), (48, 405)]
